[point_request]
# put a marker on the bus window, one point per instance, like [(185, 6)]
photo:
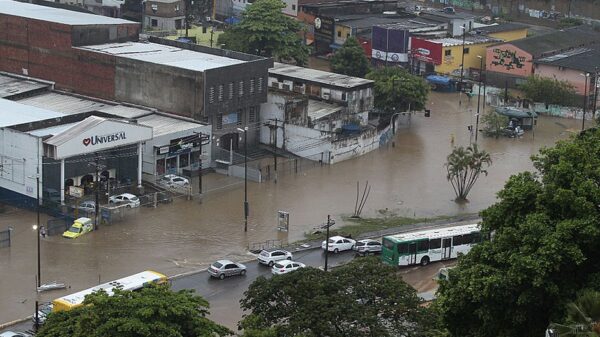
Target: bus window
[(423, 246), (389, 244), (435, 243), (403, 248), (476, 237), (467, 239), (457, 240)]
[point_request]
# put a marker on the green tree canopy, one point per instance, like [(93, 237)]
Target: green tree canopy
[(463, 168), (362, 298), (152, 311), (548, 91), (544, 247), (350, 59), (264, 30), (494, 124), (396, 89), (583, 316)]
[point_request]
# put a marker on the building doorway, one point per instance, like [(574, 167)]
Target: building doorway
[(230, 141)]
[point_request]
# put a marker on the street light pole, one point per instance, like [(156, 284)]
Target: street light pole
[(596, 83), (584, 101), (246, 206), (462, 65), (478, 97), (37, 209)]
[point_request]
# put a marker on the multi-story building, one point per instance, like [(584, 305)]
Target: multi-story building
[(164, 14)]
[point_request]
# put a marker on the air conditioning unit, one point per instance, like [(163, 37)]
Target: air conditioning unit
[(326, 95)]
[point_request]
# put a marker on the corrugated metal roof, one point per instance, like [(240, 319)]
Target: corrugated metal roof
[(319, 109), (163, 54), (51, 131), (64, 103), (75, 130), (11, 86), (318, 76), (57, 15), (163, 125), (125, 111), (13, 113)]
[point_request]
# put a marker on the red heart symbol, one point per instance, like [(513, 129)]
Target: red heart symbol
[(86, 141)]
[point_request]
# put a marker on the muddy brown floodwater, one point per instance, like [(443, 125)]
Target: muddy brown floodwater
[(408, 179)]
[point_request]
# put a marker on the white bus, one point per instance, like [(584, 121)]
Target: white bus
[(422, 247)]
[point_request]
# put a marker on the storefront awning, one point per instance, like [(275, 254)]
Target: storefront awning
[(95, 134)]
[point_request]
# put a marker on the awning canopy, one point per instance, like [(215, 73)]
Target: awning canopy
[(512, 112)]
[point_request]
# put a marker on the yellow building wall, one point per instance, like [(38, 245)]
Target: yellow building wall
[(510, 35), (452, 62), (342, 33)]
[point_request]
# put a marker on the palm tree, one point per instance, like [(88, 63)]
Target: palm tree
[(583, 316), (463, 167)]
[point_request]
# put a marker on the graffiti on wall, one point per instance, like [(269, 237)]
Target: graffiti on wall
[(507, 58)]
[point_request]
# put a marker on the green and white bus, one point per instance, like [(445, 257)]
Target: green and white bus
[(422, 247)]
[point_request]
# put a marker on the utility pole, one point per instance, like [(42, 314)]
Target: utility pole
[(478, 97), (329, 224), (275, 148), (596, 84), (585, 90), (37, 210), (203, 140), (97, 187)]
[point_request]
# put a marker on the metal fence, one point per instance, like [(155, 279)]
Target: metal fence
[(286, 166), (57, 226), (5, 237), (256, 247)]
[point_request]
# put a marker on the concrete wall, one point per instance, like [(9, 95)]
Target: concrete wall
[(20, 157), (570, 75), (508, 59), (510, 35), (170, 89), (291, 7), (169, 23), (452, 62), (164, 9)]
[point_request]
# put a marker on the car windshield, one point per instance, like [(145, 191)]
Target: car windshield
[(360, 243), (332, 241), (279, 266), (134, 199), (264, 253), (217, 265), (75, 229)]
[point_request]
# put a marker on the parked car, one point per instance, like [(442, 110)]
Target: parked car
[(269, 257), (367, 246), (78, 228), (87, 206), (225, 268), (126, 198), (338, 244), (172, 180), (14, 334), (287, 266)]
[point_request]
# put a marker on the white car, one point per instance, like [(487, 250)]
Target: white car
[(338, 244), (14, 334), (269, 257), (171, 180), (367, 246), (286, 266), (125, 199), (87, 206)]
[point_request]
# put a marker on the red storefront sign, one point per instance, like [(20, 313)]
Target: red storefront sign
[(426, 51)]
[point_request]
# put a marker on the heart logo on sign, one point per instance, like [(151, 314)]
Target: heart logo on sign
[(86, 141)]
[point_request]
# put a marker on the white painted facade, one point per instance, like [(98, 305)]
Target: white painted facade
[(291, 8), (20, 158)]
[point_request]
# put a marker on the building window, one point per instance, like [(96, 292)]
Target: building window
[(211, 95), (219, 121), (339, 33), (260, 84), (154, 23), (221, 93), (230, 91), (466, 50), (447, 52), (252, 115), (241, 89), (176, 8), (239, 117), (251, 86), (293, 7)]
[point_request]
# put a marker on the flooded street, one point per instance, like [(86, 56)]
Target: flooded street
[(408, 179)]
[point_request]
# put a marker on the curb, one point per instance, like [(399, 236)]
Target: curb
[(17, 321)]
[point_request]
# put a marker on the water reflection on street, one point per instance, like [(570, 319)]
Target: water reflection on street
[(408, 179)]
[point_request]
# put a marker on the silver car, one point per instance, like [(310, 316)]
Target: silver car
[(14, 334), (225, 268), (367, 246)]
